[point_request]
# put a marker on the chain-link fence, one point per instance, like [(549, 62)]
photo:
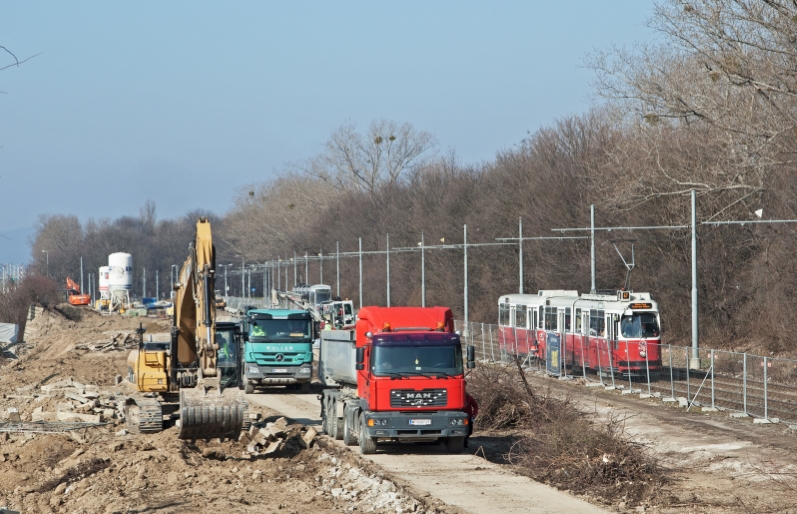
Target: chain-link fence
[(239, 304), (751, 385)]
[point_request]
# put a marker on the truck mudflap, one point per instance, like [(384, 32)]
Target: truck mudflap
[(205, 415), (416, 426)]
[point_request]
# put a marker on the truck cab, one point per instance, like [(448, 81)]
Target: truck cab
[(398, 376), (278, 348)]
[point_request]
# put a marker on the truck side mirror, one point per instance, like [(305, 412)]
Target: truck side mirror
[(471, 356), (360, 359)]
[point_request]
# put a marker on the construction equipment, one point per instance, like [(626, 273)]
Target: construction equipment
[(73, 294), (186, 377), (278, 348), (398, 376)]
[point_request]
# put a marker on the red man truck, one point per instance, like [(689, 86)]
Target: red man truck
[(398, 377)]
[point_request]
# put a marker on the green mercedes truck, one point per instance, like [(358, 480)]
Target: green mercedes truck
[(278, 348)]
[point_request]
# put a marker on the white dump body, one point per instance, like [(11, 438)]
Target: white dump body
[(337, 358)]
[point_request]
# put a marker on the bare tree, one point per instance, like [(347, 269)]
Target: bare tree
[(365, 161), (726, 76)]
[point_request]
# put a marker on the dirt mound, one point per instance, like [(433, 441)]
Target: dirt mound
[(51, 334), (101, 471)]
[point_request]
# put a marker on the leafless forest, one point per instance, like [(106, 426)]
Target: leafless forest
[(711, 107)]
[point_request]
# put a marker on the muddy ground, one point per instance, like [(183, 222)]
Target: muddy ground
[(712, 463), (102, 469)]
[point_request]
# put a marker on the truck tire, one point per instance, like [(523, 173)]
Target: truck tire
[(249, 388), (455, 444), (367, 444), (349, 438), (335, 423), (304, 388)]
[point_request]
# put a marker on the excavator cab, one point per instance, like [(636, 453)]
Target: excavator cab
[(230, 342)]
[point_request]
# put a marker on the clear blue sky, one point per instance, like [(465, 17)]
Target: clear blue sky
[(185, 102)]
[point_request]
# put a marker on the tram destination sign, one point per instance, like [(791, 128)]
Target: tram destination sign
[(641, 305)]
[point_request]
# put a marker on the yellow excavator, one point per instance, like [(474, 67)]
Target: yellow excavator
[(198, 372)]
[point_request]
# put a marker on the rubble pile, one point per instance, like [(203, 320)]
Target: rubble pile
[(367, 492), (64, 400), (120, 341), (271, 438)]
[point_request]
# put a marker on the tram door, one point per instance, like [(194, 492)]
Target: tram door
[(534, 323)]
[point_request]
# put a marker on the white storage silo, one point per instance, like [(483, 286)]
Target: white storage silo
[(104, 279), (120, 278)]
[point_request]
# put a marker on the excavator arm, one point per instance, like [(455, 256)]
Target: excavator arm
[(206, 410)]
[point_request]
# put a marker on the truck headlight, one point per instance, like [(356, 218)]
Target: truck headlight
[(305, 371), (377, 422), (458, 421), (253, 369)]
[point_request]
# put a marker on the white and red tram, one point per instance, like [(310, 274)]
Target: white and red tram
[(609, 331)]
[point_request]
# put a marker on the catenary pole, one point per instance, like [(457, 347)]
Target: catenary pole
[(423, 273), (520, 254), (361, 272), (592, 246), (387, 252), (695, 361)]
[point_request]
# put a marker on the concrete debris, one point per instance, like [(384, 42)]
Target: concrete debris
[(271, 438), (68, 400), (121, 341)]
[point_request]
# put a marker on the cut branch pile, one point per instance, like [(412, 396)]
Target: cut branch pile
[(558, 445)]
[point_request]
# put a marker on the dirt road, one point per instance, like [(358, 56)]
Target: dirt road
[(470, 483)]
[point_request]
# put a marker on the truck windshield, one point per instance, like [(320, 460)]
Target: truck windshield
[(640, 324), (416, 360), (273, 329)]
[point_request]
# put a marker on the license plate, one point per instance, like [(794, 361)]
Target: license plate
[(420, 422), (279, 370)]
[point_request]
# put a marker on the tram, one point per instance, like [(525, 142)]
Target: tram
[(606, 331), (314, 295)]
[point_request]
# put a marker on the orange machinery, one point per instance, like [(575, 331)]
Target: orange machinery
[(73, 293)]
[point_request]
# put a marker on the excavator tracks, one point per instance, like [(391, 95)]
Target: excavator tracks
[(209, 414), (143, 415)]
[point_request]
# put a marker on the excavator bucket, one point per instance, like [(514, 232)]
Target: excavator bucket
[(208, 414)]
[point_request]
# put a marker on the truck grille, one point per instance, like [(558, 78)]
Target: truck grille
[(423, 398)]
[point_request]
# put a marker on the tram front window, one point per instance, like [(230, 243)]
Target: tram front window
[(641, 324)]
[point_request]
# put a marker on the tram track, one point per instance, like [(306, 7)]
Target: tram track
[(729, 393)]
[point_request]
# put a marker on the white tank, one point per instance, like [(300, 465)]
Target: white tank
[(104, 277), (120, 276)]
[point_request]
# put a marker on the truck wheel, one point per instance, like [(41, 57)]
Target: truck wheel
[(349, 439), (304, 388), (249, 388), (335, 423), (367, 444), (455, 444)]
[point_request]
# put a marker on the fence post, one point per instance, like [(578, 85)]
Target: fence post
[(514, 334), (647, 365), (583, 360), (611, 362), (492, 346), (628, 365), (501, 343), (744, 380), (766, 410), (712, 378), (686, 367), (672, 384), (484, 353), (600, 368)]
